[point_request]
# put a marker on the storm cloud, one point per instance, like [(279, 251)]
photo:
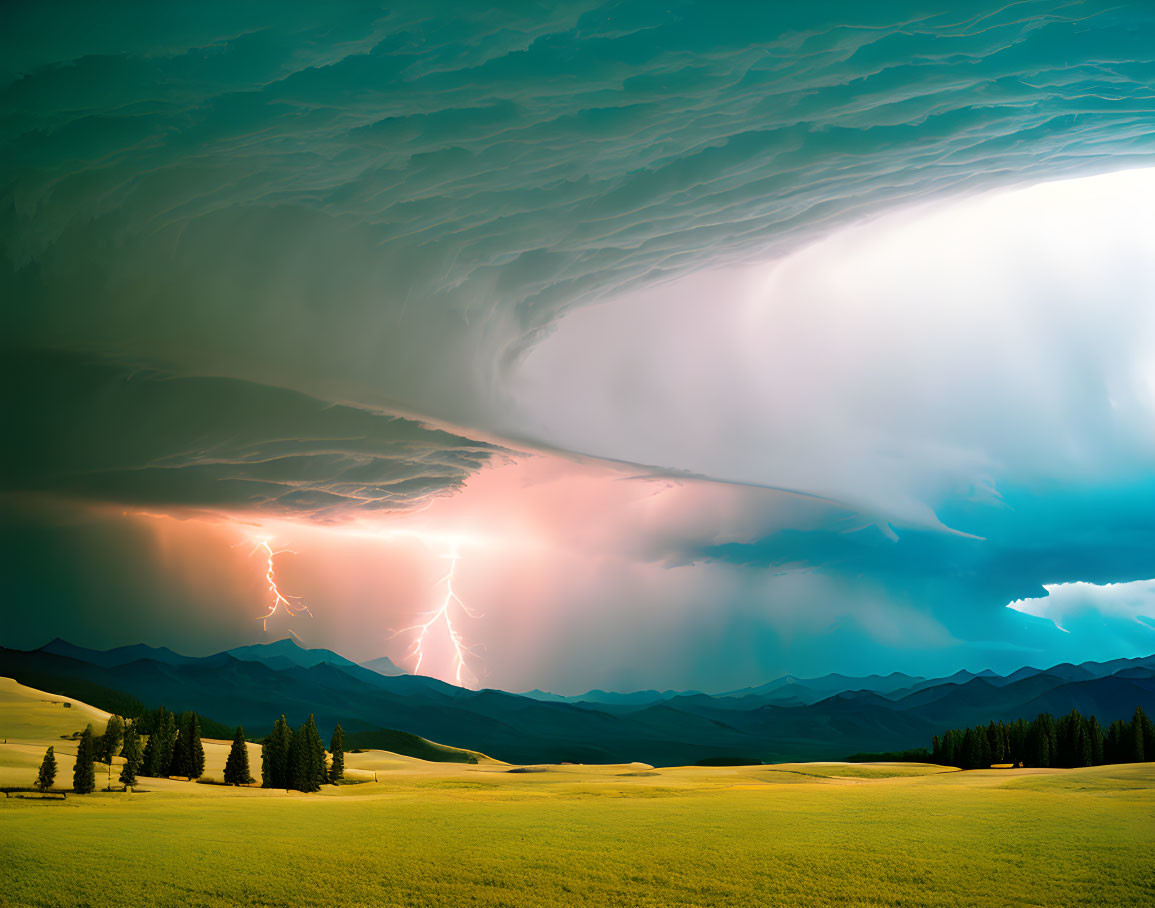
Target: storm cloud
[(78, 427), (386, 209), (333, 265)]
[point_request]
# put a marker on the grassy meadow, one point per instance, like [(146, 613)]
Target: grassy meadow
[(454, 834)]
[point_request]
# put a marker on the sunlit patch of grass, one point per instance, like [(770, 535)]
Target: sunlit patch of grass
[(457, 785), (455, 835), (1115, 780), (861, 770)]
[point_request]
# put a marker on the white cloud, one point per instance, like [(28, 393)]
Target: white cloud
[(1134, 601), (895, 365)]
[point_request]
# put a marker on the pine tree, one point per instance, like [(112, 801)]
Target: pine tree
[(1137, 749), (1068, 750), (298, 770), (178, 765), (148, 756), (275, 756), (47, 773), (1095, 733), (984, 747), (1114, 751), (285, 746), (194, 755), (1018, 742), (995, 742), (1083, 751), (84, 773), (1146, 733), (1041, 741), (320, 757), (951, 748), (337, 749), (237, 764), (1034, 750), (132, 756), (965, 755), (188, 755), (113, 734), (1052, 736), (306, 758), (157, 758), (166, 739)]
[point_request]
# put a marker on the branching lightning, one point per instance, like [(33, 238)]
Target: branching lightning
[(450, 604), (448, 616), (279, 600)]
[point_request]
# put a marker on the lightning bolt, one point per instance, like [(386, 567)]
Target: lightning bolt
[(279, 599), (445, 614)]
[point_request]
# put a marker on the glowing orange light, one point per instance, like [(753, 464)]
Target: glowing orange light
[(279, 600)]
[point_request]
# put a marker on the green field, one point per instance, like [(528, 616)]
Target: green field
[(452, 834)]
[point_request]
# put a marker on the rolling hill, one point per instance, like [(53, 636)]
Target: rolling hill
[(787, 719)]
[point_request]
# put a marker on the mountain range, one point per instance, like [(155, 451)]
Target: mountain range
[(785, 719)]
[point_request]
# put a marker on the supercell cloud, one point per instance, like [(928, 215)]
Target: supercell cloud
[(275, 262)]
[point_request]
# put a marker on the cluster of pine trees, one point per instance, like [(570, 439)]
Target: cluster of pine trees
[(1071, 740), (297, 759), (90, 750), (174, 744), (289, 759)]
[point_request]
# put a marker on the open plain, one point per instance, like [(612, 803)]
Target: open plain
[(450, 834)]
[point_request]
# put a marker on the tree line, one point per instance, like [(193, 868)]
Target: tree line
[(173, 748), (91, 749), (1069, 741), (291, 760)]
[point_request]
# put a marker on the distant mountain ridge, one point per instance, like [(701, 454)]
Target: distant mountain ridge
[(383, 665), (287, 652), (611, 698), (277, 654), (120, 655), (785, 719), (790, 689)]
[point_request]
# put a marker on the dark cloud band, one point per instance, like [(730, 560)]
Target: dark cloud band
[(92, 429)]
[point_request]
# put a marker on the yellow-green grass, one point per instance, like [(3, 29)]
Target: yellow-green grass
[(30, 714), (861, 770), (453, 834)]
